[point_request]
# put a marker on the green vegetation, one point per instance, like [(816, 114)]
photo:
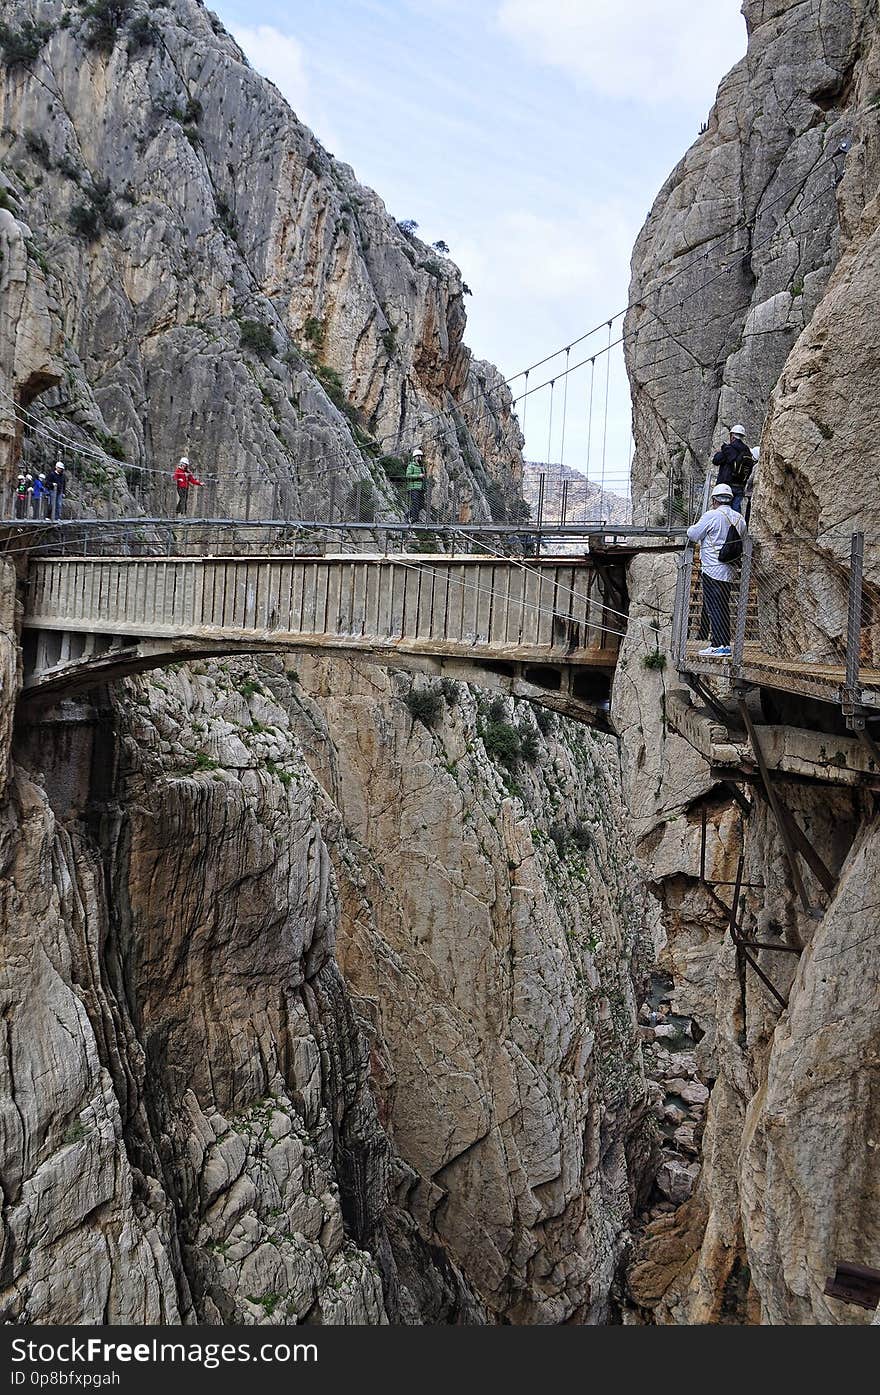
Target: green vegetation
[(106, 19), (654, 660), (97, 211), (247, 687), (85, 222), (279, 773), (502, 741), (23, 45), (257, 338), (70, 168), (388, 340), (424, 706), (110, 444), (143, 32), (38, 147), (315, 332), (226, 219), (546, 721), (529, 746), (408, 226), (38, 255), (394, 467), (203, 762), (577, 839), (450, 690)]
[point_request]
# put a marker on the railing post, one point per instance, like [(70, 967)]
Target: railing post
[(742, 607), (683, 602), (851, 693), (564, 504), (540, 516), (680, 606)]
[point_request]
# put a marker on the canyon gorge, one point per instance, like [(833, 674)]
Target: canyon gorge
[(339, 992)]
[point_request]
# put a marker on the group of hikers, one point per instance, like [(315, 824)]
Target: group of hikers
[(719, 533), (42, 495)]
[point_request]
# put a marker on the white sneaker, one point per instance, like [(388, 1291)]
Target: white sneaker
[(706, 653)]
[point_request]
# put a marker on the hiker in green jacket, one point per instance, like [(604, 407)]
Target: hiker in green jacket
[(415, 484)]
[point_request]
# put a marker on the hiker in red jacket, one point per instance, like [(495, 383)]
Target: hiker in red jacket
[(185, 480)]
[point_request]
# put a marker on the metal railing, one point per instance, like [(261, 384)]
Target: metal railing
[(548, 500), (802, 619)]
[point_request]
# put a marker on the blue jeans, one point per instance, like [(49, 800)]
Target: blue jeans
[(737, 501)]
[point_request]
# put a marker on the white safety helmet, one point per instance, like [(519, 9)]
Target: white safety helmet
[(722, 491), (184, 460), (417, 452), (59, 465), (42, 477), (738, 430)]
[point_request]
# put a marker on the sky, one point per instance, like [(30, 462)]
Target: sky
[(531, 136)]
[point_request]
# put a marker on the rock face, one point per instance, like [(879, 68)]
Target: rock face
[(755, 275), (315, 1046), (226, 287), (315, 1010)]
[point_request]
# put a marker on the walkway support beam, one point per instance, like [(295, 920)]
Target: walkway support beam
[(788, 845)]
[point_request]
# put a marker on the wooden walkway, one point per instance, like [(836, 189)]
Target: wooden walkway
[(546, 622), (808, 677)]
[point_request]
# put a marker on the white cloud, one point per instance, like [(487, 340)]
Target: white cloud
[(282, 59), (653, 51), (279, 57), (523, 256)]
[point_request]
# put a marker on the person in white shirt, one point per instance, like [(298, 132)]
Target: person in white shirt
[(710, 532)]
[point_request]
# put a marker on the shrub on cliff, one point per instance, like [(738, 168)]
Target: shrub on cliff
[(502, 741), (256, 337), (23, 45), (529, 746), (106, 18), (85, 221), (143, 32), (424, 706)]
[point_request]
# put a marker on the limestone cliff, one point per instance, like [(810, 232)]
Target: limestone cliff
[(755, 278), (223, 284), (318, 992)]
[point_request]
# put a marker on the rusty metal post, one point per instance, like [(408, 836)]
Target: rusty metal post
[(851, 693), (742, 608), (784, 833), (682, 606), (564, 504)]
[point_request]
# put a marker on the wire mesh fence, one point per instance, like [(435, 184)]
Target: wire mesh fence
[(794, 616), (550, 500)]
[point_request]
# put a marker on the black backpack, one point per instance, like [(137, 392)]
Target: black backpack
[(731, 549)]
